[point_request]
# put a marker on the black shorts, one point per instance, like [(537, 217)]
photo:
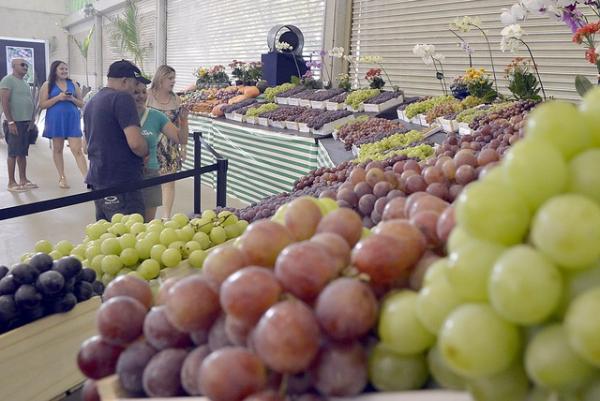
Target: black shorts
[(18, 145), (126, 203)]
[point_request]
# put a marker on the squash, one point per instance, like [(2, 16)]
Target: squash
[(217, 111), (251, 91), (237, 99)]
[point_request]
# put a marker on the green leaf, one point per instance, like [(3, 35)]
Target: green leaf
[(582, 84)]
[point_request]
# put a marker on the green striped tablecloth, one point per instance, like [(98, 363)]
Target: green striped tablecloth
[(261, 162)]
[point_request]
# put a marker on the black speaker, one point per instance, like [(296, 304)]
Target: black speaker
[(279, 68)]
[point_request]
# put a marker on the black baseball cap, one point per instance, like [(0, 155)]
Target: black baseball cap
[(126, 69)]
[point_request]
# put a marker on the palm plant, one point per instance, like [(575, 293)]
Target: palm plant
[(83, 49), (127, 34)]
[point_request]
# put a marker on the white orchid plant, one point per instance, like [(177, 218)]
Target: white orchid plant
[(570, 12), (431, 57), (283, 46), (465, 25), (378, 61)]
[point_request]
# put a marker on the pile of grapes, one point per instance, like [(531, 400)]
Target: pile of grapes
[(425, 105), (514, 109), (41, 287), (327, 117), (262, 109), (324, 175), (510, 313), (285, 113), (341, 98), (356, 98), (268, 206), (281, 311), (326, 94), (237, 106), (305, 94), (291, 92), (383, 97), (127, 245), (271, 93), (356, 130)]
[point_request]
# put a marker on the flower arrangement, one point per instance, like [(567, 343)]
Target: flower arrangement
[(459, 88), (512, 40), (378, 61), (283, 47), (569, 12), (430, 57), (479, 84), (344, 81), (213, 76), (246, 73), (465, 25), (522, 82), (373, 76)]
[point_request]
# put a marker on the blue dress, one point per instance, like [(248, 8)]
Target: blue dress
[(63, 120)]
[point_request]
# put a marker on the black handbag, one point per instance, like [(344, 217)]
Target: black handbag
[(33, 133)]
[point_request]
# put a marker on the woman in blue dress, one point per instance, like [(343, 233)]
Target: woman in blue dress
[(62, 99)]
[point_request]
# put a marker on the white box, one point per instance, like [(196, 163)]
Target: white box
[(334, 106), (361, 108), (229, 116), (448, 125), (416, 120), (237, 117), (281, 100), (293, 101), (303, 127), (423, 121), (251, 120), (263, 121), (464, 129), (330, 127), (318, 104), (278, 124), (291, 125), (378, 108), (304, 103)]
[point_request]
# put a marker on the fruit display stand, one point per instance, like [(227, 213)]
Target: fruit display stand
[(37, 360), (262, 161), (110, 390)]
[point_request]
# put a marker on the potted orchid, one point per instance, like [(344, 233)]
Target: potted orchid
[(522, 82), (571, 12), (378, 61), (512, 40), (465, 25), (430, 57)]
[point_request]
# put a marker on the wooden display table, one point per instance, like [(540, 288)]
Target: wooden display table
[(38, 361)]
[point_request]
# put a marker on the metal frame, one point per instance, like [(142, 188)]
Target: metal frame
[(220, 167)]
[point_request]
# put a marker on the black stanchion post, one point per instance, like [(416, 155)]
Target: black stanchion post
[(222, 165), (197, 176)]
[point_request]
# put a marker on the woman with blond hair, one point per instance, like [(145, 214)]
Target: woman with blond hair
[(170, 154)]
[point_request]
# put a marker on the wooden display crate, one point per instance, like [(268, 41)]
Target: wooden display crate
[(110, 390), (38, 360)]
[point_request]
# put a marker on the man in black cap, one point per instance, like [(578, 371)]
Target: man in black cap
[(115, 145)]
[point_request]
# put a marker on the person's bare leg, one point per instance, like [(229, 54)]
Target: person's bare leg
[(76, 147), (168, 196), (11, 163), (149, 214), (58, 145), (22, 163)]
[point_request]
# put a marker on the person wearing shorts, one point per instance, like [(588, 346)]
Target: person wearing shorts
[(18, 107), (115, 145), (154, 124)]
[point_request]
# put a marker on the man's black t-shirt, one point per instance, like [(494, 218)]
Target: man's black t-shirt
[(105, 117)]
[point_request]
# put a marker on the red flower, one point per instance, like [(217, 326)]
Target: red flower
[(586, 31), (591, 55), (373, 73)]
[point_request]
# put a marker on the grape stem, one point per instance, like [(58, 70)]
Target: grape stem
[(283, 386)]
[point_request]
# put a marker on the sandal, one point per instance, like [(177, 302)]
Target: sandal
[(62, 182), (29, 185), (17, 189)]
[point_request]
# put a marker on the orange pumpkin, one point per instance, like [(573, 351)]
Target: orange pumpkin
[(237, 99), (217, 111), (251, 91)]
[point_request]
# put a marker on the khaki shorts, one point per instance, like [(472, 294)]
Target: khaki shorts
[(152, 195)]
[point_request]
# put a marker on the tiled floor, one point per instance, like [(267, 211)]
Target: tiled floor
[(18, 235)]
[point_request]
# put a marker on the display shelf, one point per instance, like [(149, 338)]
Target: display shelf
[(110, 390), (38, 360)]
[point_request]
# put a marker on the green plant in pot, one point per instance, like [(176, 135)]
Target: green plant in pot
[(373, 76), (522, 82)]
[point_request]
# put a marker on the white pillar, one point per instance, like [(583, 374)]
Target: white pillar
[(337, 30), (98, 53), (161, 32)]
